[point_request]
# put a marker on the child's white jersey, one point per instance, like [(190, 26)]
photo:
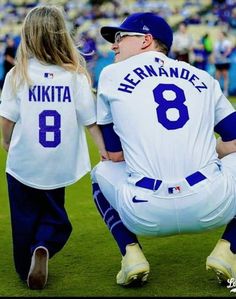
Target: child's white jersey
[(48, 148)]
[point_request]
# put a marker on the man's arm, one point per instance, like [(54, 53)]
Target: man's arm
[(7, 129), (112, 143), (226, 143), (116, 156), (10, 59), (225, 148)]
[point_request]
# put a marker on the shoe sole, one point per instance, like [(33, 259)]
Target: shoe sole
[(38, 276), (136, 279), (221, 272)]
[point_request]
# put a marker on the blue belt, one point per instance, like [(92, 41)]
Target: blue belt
[(154, 185)]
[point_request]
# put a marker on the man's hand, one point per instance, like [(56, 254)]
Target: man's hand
[(116, 156)]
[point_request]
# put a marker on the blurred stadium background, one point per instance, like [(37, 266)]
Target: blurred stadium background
[(85, 17)]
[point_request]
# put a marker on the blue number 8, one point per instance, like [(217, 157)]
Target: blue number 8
[(45, 129), (164, 105)]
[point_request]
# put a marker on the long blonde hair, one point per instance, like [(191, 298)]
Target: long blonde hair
[(44, 36)]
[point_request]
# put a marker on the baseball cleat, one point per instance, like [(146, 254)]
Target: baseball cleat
[(134, 267), (222, 261), (38, 273)]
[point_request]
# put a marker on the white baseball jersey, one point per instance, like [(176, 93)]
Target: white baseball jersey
[(48, 148), (164, 112)]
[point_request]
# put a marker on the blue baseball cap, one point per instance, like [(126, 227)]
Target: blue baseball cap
[(147, 23)]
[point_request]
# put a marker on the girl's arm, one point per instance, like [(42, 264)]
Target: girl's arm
[(7, 129), (96, 134)]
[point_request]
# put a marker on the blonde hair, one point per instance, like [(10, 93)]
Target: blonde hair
[(45, 37)]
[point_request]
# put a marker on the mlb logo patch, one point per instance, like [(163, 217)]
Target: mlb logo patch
[(174, 190), (159, 61), (48, 75)]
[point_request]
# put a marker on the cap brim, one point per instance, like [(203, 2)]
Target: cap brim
[(108, 33)]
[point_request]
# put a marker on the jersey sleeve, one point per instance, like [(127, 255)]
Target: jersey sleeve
[(104, 115), (226, 127), (85, 102), (111, 139), (9, 103)]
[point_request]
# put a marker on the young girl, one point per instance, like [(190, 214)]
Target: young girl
[(45, 103)]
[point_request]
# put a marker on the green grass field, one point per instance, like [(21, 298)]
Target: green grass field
[(88, 264)]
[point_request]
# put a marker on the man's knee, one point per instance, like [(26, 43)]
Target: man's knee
[(97, 171)]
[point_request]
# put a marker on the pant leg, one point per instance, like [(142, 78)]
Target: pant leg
[(38, 217), (54, 227), (25, 211), (107, 205), (229, 163), (110, 216), (109, 175)]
